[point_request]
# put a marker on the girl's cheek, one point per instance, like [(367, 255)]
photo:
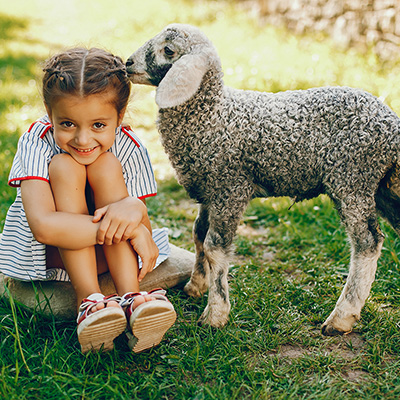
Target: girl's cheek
[(60, 139)]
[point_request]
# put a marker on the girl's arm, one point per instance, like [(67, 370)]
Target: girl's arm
[(74, 231), (59, 229)]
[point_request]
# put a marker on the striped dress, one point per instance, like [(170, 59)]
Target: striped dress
[(21, 255)]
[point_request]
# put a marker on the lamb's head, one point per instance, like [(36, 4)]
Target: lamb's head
[(175, 61)]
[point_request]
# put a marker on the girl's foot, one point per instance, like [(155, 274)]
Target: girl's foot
[(149, 316), (101, 305), (100, 320), (140, 299)]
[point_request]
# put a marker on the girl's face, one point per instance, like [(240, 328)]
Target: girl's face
[(85, 127)]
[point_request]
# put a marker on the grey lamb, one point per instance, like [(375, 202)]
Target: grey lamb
[(229, 146)]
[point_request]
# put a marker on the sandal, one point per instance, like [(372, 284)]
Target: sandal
[(98, 330), (149, 321)]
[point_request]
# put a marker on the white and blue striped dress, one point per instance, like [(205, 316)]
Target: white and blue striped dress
[(21, 255)]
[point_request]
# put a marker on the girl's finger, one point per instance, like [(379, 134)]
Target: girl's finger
[(120, 234), (148, 264), (106, 231), (109, 236), (99, 214)]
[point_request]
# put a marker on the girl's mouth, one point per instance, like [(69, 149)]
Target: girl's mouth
[(84, 150)]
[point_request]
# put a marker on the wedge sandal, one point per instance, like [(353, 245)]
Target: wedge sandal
[(149, 321), (97, 331)]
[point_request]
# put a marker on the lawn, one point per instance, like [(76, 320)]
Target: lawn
[(290, 263)]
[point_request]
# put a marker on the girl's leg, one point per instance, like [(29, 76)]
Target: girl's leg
[(149, 322), (107, 182), (68, 182)]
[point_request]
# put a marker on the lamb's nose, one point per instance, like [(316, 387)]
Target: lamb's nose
[(129, 62)]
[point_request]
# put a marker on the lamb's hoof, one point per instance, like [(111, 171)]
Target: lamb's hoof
[(334, 325), (216, 319), (193, 290), (330, 330)]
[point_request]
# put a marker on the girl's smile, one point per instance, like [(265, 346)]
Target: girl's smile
[(85, 127), (84, 151)]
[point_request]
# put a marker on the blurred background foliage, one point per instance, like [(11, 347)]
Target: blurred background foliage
[(254, 55)]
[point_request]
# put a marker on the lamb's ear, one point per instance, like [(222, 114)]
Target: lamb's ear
[(182, 80)]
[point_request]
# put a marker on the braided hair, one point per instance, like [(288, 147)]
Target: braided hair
[(83, 72)]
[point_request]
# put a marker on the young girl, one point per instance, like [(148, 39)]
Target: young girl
[(80, 211)]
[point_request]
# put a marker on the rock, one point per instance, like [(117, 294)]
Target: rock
[(361, 23), (59, 297)]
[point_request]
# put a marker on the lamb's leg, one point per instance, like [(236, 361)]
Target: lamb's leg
[(218, 247), (366, 243), (200, 278)]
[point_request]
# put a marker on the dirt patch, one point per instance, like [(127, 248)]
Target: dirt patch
[(348, 346), (355, 375), (292, 352)]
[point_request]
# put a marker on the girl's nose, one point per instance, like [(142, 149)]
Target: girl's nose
[(82, 138)]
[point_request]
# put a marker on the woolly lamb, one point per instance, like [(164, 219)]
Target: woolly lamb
[(229, 146)]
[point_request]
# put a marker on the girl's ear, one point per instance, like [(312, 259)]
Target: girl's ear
[(121, 116), (48, 111), (182, 80)]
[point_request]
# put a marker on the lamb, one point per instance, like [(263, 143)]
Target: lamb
[(229, 146)]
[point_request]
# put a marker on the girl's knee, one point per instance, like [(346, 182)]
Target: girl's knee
[(63, 165), (107, 161), (106, 166), (106, 179)]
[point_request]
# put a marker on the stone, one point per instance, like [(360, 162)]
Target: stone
[(349, 22), (58, 298)]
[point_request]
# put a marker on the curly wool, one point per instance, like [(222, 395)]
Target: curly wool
[(334, 140)]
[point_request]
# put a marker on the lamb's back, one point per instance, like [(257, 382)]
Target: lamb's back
[(298, 142), (293, 143)]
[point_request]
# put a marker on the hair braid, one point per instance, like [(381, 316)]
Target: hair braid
[(84, 72)]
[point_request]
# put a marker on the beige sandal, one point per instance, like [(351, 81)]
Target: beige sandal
[(98, 330), (149, 321)]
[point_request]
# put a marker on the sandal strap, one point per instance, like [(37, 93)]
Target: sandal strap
[(95, 298), (129, 298)]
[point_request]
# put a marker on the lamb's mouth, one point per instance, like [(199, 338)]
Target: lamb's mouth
[(138, 77)]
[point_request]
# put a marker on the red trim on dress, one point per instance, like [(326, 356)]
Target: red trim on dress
[(147, 195), (33, 123), (46, 124), (126, 130), (45, 131), (26, 178)]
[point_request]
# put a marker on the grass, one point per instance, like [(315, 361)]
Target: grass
[(290, 264)]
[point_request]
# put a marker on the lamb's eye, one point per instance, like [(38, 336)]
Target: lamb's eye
[(168, 52)]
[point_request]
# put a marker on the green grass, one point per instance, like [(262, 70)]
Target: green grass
[(290, 264)]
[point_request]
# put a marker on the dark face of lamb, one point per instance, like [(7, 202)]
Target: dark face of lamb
[(175, 61), (155, 72), (150, 63)]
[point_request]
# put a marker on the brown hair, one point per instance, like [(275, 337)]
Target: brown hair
[(83, 72)]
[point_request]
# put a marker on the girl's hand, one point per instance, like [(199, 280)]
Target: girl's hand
[(119, 220), (143, 243)]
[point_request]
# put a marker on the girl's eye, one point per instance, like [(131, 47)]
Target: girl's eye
[(66, 124), (98, 125), (168, 52)]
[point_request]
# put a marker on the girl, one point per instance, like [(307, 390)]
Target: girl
[(80, 211)]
